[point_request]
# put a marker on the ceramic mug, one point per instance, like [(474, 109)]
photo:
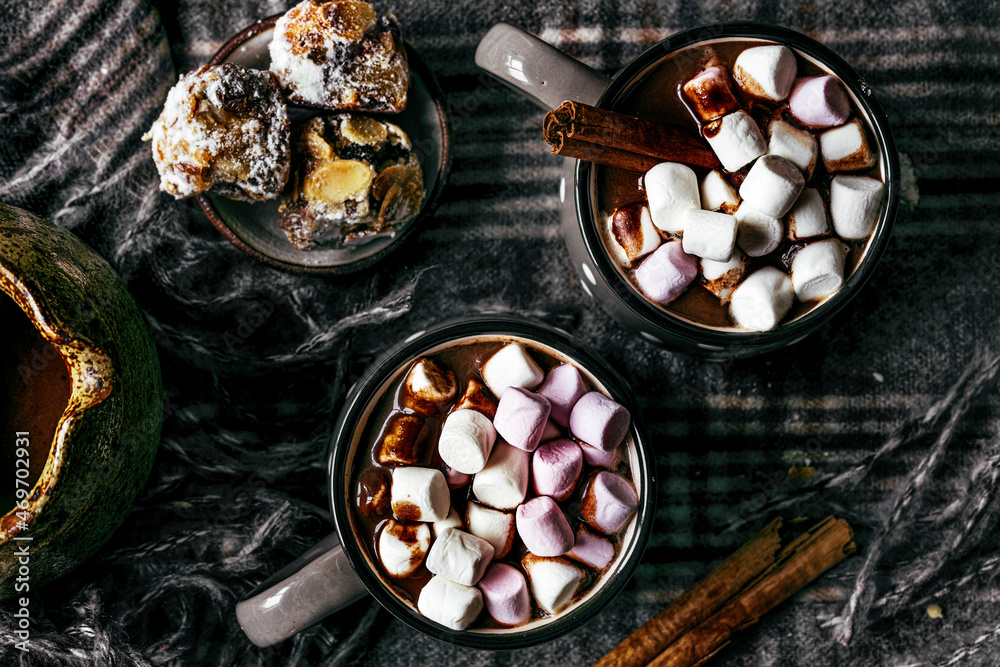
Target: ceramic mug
[(83, 401), (547, 76), (339, 571)]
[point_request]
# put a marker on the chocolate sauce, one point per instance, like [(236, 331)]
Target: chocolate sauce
[(659, 96), (370, 479), (35, 387)]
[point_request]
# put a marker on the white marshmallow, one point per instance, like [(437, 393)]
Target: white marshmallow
[(453, 520), (717, 193), (855, 202), (845, 148), (492, 525), (419, 494), (766, 71), (818, 270), (452, 605), (797, 146), (403, 547), (460, 557), (721, 278), (553, 581), (511, 366), (503, 483), (808, 216), (671, 189), (772, 185), (736, 140), (709, 235), (466, 440), (757, 233), (632, 236), (762, 299)]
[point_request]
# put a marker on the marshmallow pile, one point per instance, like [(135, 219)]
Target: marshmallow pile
[(776, 222), (512, 495)]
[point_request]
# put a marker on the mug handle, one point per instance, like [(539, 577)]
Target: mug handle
[(539, 71), (318, 583)]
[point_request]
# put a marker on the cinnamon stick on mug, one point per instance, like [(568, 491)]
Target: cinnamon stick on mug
[(619, 140), (751, 582)]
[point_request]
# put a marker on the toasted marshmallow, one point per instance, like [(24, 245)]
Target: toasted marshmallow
[(452, 605), (459, 556), (845, 148), (671, 188), (466, 441), (453, 520), (477, 397), (400, 440), (632, 233), (797, 146), (503, 483), (402, 547), (553, 581), (543, 527), (419, 494), (456, 479), (717, 193), (599, 421), (757, 234), (428, 386), (556, 468), (762, 299), (374, 492), (563, 387), (818, 270), (511, 366), (592, 549), (609, 503), (505, 593), (721, 278), (666, 273), (772, 185), (710, 94), (521, 418), (736, 140), (494, 526), (600, 458), (855, 202), (807, 218), (709, 235), (766, 71), (819, 101)]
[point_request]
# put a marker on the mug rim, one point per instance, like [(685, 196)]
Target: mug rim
[(367, 389), (704, 336)]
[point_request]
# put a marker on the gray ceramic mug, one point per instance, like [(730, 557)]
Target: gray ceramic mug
[(338, 571), (547, 77)]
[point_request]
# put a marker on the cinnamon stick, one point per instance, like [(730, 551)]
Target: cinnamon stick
[(700, 601), (619, 140), (758, 577)]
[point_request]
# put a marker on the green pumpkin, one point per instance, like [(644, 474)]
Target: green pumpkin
[(79, 373)]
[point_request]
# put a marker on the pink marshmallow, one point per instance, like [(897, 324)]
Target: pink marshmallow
[(543, 527), (563, 386), (600, 458), (819, 102), (667, 272), (592, 549), (599, 421), (551, 431), (455, 479), (556, 468), (521, 418), (609, 503), (505, 593)]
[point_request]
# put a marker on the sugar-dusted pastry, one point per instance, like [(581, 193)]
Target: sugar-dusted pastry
[(339, 55), (223, 128), (353, 176)]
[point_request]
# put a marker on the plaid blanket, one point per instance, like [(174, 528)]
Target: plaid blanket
[(891, 409)]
